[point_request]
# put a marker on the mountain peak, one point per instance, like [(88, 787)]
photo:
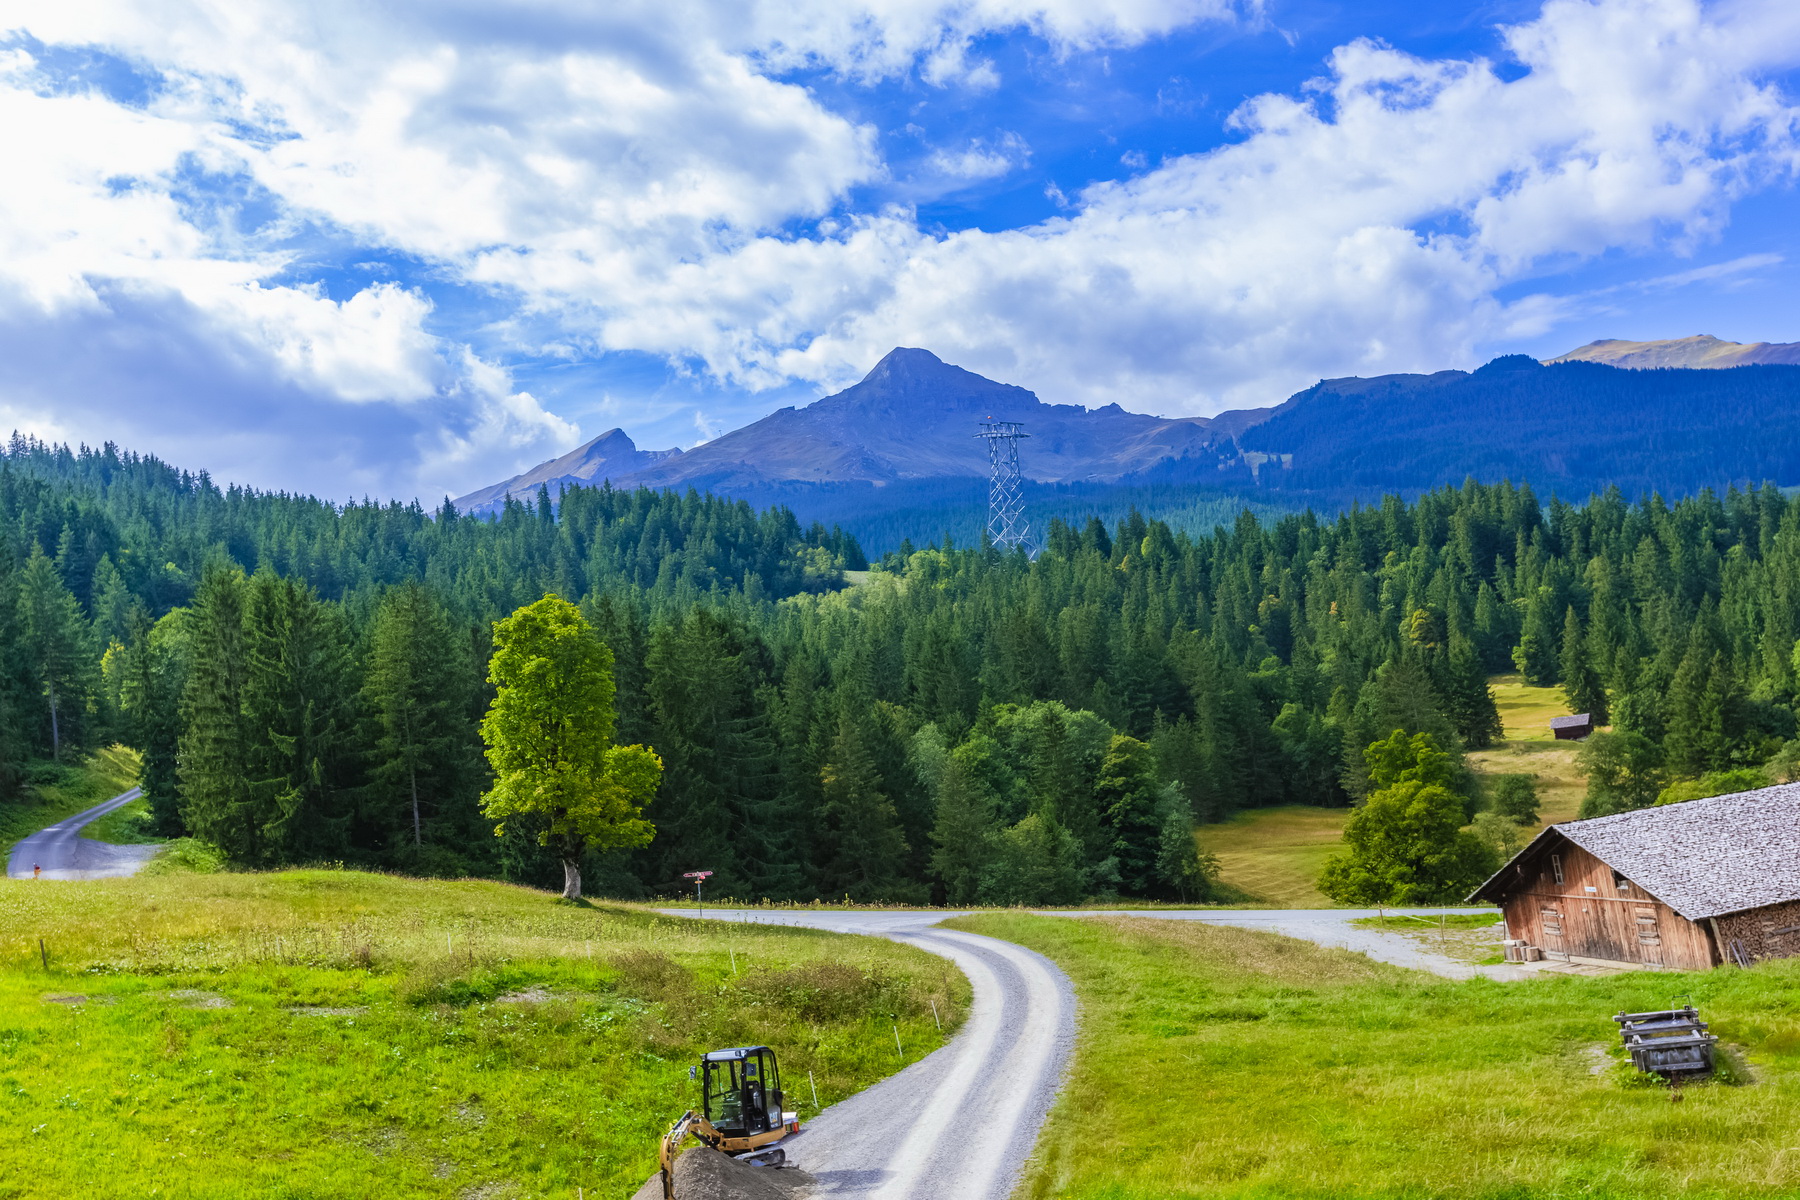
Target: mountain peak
[(1702, 350)]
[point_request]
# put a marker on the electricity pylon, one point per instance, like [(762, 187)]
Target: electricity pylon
[(1006, 524)]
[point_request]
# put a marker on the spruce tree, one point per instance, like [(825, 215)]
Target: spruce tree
[(863, 848), (59, 652), (214, 747), (1580, 681), (964, 834), (422, 745), (1535, 655), (156, 669)]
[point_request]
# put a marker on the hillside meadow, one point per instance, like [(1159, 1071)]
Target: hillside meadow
[(325, 1033), (1234, 1064)]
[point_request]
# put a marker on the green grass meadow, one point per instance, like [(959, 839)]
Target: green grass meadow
[(1231, 1063), (340, 1034)]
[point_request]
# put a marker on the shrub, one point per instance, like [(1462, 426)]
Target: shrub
[(187, 854), (825, 991)]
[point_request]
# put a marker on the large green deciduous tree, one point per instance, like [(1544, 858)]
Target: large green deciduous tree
[(1406, 844), (549, 735)]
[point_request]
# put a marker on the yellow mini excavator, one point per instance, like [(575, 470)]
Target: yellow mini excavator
[(740, 1111)]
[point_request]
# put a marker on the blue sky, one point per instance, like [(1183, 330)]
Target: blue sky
[(409, 249)]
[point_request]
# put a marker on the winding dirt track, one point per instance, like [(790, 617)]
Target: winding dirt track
[(64, 854), (961, 1121)]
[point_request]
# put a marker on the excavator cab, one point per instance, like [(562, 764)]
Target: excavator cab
[(741, 1091), (740, 1111)]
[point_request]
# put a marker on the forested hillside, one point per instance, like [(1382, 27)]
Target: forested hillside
[(961, 724)]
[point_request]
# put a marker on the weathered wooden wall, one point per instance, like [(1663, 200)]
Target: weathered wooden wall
[(1772, 932), (1587, 916)]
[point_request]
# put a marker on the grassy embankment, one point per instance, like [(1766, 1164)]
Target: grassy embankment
[(57, 790), (1274, 855), (1230, 1063), (339, 1034)]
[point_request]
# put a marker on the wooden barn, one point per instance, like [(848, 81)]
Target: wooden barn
[(1572, 728), (1684, 886)]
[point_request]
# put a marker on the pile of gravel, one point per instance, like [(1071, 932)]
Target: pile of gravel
[(703, 1174)]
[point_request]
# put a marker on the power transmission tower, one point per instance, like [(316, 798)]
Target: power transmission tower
[(1006, 497)]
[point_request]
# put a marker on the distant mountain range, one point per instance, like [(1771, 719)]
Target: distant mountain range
[(913, 417), (896, 454), (1701, 352)]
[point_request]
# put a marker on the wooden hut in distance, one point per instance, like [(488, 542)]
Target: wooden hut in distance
[(1683, 886), (1571, 729)]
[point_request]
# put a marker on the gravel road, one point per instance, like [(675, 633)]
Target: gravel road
[(1335, 927), (961, 1121), (64, 854)]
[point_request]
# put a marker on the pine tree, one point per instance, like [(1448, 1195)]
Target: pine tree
[(864, 851), (416, 696), (59, 652), (298, 704), (214, 755), (1535, 655), (964, 833), (1580, 681), (112, 604), (16, 700), (156, 669)]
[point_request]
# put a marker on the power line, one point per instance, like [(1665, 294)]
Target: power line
[(1006, 524)]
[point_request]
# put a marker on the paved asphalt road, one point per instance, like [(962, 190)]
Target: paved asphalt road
[(961, 1121), (64, 854)]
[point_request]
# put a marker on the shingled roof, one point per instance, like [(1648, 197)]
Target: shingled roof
[(1703, 858)]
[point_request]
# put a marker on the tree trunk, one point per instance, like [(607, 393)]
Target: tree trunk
[(55, 729), (413, 775), (571, 878)]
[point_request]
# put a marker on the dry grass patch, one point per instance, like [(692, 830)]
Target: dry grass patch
[(1274, 855)]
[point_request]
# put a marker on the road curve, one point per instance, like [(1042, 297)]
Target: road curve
[(64, 854), (961, 1121)]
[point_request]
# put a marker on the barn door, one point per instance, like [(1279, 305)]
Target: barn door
[(1649, 937), (1553, 933)]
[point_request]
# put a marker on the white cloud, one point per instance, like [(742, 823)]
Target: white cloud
[(982, 159), (1363, 226), (637, 176), (568, 154)]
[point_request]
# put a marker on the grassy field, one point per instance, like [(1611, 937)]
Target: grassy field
[(340, 1034), (1274, 855), (1234, 1064), (1530, 749), (54, 791)]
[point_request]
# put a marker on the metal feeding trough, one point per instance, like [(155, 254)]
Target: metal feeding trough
[(1673, 1042)]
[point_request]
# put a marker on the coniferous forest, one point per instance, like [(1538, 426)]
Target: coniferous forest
[(949, 723)]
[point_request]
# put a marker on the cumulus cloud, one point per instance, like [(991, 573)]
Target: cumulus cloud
[(1362, 226), (982, 158), (562, 155), (656, 177)]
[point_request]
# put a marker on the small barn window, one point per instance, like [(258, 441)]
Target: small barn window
[(1556, 867), (1621, 883)]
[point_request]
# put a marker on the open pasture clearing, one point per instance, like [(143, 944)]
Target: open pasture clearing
[(340, 1034), (1274, 855), (1230, 1063)]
